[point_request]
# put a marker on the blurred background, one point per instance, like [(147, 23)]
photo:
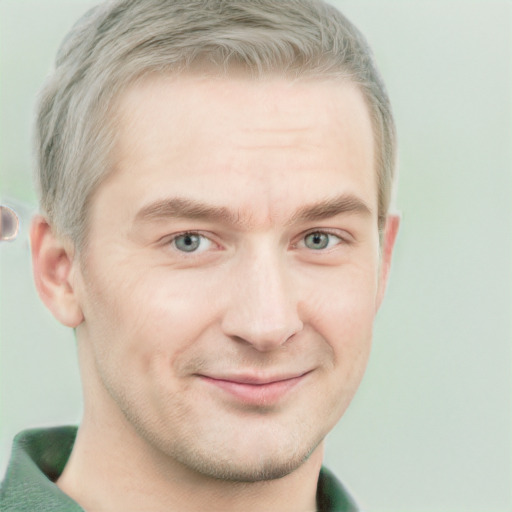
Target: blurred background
[(431, 427)]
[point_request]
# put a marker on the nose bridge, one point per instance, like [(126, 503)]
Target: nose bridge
[(263, 309)]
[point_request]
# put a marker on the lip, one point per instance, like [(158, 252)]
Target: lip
[(254, 390)]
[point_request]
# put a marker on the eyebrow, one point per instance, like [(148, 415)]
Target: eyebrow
[(184, 208), (331, 208)]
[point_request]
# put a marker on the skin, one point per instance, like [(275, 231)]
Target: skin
[(211, 377)]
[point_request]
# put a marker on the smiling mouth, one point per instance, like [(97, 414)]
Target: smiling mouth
[(254, 391)]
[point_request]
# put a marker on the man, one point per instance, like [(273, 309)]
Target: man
[(215, 179)]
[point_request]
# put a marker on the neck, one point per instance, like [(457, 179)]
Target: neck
[(113, 468)]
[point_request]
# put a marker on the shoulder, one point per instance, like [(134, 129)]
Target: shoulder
[(332, 496), (37, 460)]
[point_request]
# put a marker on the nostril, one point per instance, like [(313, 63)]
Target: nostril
[(261, 336)]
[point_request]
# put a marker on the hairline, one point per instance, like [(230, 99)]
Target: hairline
[(76, 119), (215, 72)]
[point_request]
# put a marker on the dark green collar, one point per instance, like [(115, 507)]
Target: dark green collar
[(331, 496), (38, 459)]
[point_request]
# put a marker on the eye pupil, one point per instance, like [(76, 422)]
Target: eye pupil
[(187, 242), (317, 240)]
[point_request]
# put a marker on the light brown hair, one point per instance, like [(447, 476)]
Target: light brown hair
[(121, 41)]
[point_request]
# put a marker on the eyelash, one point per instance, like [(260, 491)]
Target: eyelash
[(202, 236), (343, 240)]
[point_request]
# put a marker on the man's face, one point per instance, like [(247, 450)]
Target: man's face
[(232, 274)]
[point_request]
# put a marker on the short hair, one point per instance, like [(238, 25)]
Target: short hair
[(121, 41)]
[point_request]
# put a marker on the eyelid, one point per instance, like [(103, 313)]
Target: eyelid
[(344, 236), (169, 239)]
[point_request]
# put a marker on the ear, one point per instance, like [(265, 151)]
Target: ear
[(52, 262), (388, 243)]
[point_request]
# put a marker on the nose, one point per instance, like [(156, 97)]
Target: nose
[(263, 310)]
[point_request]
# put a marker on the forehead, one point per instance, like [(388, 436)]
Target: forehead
[(270, 106), (260, 144)]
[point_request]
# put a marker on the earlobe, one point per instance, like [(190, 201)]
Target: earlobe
[(388, 244), (52, 262)]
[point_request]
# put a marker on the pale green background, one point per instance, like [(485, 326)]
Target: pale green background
[(430, 430)]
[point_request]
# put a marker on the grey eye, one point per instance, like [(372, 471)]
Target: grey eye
[(316, 241), (188, 242)]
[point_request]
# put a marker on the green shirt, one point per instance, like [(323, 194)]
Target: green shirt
[(38, 459)]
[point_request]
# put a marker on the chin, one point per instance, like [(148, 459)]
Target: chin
[(264, 464), (272, 468)]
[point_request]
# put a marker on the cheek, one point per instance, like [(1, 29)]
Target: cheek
[(147, 317), (344, 300), (343, 313)]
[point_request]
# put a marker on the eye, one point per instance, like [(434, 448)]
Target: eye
[(319, 240), (191, 242)]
